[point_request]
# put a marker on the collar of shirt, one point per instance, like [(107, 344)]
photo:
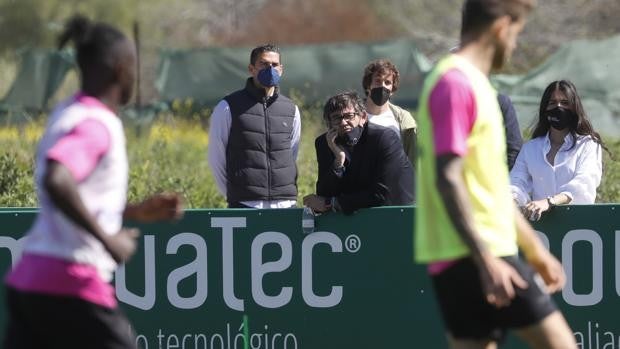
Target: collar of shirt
[(568, 141), (90, 101)]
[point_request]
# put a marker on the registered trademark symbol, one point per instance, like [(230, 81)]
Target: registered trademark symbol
[(352, 243)]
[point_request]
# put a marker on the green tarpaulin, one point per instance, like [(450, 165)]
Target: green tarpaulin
[(315, 71), (40, 74), (591, 65)]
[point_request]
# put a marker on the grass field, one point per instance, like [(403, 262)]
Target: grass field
[(170, 155)]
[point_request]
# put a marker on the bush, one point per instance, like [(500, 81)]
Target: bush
[(609, 191), (16, 181), (170, 154)]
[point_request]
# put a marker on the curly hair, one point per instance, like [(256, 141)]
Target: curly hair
[(381, 66)]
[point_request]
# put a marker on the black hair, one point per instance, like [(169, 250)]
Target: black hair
[(94, 44), (478, 15), (580, 125), (341, 101), (257, 51)]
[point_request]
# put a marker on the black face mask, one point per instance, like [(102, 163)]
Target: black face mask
[(352, 137), (380, 95), (560, 118)]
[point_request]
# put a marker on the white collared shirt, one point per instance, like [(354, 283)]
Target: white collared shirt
[(576, 171)]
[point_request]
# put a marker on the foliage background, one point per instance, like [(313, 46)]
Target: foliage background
[(170, 153)]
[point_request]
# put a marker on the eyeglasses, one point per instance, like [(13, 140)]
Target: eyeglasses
[(336, 119)]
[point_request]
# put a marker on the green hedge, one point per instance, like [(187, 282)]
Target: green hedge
[(171, 155)]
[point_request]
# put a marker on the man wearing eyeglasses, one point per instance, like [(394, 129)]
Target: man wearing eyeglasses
[(254, 138), (360, 164)]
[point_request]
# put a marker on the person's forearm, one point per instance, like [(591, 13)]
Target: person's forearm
[(456, 201), (374, 197), (62, 190), (132, 212), (527, 239), (561, 199)]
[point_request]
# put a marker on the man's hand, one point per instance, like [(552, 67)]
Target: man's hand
[(339, 154), (316, 203), (498, 280), (123, 244), (534, 209), (156, 208), (550, 269)]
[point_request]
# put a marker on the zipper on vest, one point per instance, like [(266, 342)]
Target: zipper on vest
[(267, 137)]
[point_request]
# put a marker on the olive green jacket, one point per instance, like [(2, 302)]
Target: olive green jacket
[(408, 131)]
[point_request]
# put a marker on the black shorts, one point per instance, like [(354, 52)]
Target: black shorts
[(468, 315), (46, 321)]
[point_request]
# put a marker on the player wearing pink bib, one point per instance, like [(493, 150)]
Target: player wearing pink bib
[(467, 228), (58, 293)]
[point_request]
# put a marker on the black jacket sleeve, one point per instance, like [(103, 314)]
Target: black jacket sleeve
[(514, 140), (327, 184), (392, 172)]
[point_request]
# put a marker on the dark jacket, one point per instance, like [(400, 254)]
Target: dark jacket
[(378, 173), (514, 141), (259, 160)]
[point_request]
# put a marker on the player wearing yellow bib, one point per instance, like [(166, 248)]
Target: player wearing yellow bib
[(468, 229)]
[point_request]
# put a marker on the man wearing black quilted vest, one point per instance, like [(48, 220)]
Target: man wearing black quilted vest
[(254, 137)]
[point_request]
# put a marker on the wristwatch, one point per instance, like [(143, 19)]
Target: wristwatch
[(551, 201)]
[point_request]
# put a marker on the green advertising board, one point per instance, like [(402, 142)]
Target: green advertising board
[(350, 284)]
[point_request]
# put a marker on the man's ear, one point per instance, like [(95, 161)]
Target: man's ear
[(363, 118), (501, 28)]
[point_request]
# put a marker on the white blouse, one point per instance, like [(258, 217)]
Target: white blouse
[(576, 171)]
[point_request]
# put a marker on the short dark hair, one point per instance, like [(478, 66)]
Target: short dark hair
[(94, 45), (478, 15), (381, 66), (257, 51), (341, 101)]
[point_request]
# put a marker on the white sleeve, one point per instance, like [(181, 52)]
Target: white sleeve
[(296, 135), (219, 130), (588, 172), (520, 179)]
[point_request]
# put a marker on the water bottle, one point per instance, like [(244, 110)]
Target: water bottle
[(307, 220)]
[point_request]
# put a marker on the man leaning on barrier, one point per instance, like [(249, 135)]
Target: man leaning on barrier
[(360, 164)]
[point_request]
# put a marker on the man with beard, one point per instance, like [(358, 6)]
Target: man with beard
[(468, 229), (360, 164)]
